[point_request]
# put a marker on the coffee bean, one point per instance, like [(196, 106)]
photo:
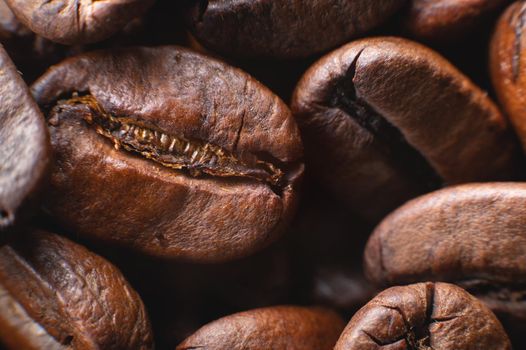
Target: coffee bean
[(278, 328), (472, 235), (77, 22), (34, 54), (169, 152), (448, 21), (424, 316), (508, 63), (281, 28), (24, 145), (386, 119), (55, 294)]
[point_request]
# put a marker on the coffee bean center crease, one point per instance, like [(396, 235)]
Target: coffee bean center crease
[(172, 151), (392, 141)]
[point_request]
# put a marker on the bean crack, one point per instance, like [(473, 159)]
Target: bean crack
[(172, 151)]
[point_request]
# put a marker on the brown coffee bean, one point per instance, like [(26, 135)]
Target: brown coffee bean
[(386, 119), (277, 328), (508, 64), (77, 22), (169, 152), (447, 21), (424, 316), (55, 294), (472, 235), (34, 54), (24, 145), (281, 28)]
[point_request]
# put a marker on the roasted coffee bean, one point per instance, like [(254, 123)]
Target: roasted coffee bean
[(169, 152), (77, 22), (386, 119), (277, 328), (508, 65), (472, 235), (34, 54), (448, 21), (24, 145), (281, 28), (55, 294), (424, 316)]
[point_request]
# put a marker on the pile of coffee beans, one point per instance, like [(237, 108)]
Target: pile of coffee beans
[(263, 174)]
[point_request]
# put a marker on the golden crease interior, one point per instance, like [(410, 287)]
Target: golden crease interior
[(171, 151)]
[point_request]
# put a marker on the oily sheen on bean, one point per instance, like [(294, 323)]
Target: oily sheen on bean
[(55, 294), (24, 146), (424, 316), (376, 133), (169, 152)]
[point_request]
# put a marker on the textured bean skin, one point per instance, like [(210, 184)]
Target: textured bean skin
[(278, 328), (472, 235), (283, 28), (55, 294), (424, 316), (507, 64), (371, 114), (24, 145), (447, 21), (77, 21), (118, 196)]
